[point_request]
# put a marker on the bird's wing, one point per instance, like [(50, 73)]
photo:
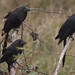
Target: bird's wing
[(12, 21), (64, 36), (8, 54)]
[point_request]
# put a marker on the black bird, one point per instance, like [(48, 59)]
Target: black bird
[(13, 20), (67, 29), (12, 50)]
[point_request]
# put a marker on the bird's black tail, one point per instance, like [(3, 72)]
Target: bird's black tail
[(1, 60), (5, 44), (63, 61), (60, 39), (3, 32), (8, 68), (57, 37)]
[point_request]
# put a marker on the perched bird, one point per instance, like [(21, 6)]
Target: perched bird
[(13, 20), (12, 50), (67, 29)]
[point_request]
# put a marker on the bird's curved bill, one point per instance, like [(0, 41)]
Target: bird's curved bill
[(24, 42), (27, 8)]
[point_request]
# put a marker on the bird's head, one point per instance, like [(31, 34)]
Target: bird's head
[(18, 43), (22, 9)]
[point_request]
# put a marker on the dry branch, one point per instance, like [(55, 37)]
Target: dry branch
[(13, 71), (2, 38), (61, 57)]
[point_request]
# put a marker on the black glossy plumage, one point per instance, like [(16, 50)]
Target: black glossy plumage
[(15, 18), (8, 56), (67, 29)]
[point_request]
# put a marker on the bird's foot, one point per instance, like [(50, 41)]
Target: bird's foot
[(16, 29), (71, 38)]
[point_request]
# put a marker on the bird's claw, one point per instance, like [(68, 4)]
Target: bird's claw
[(72, 38)]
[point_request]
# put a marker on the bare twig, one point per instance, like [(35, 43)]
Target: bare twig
[(30, 27), (61, 57), (23, 50), (22, 31), (43, 10)]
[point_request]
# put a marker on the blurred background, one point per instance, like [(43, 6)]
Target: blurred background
[(47, 26)]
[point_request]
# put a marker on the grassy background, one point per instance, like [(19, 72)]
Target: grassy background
[(47, 25)]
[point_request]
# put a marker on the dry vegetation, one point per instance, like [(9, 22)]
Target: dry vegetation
[(47, 25)]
